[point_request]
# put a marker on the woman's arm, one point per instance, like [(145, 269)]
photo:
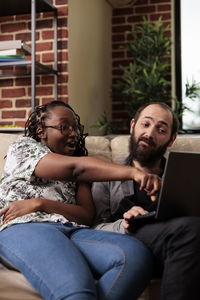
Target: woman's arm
[(59, 167), (82, 213)]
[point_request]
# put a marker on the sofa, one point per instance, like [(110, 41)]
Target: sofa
[(13, 285)]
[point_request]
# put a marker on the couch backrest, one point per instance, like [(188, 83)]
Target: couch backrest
[(120, 144), (110, 148), (5, 140)]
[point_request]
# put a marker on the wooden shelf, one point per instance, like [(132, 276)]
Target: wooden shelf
[(16, 7)]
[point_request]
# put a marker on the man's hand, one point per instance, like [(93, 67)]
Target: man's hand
[(133, 212), (18, 209), (149, 182)]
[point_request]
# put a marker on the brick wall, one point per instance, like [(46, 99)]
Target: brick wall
[(15, 101), (122, 20), (15, 93)]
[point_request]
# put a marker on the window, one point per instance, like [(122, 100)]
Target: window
[(187, 45)]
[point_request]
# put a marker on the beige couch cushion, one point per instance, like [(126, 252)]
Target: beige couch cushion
[(98, 146), (14, 286), (6, 139), (120, 145), (119, 148)]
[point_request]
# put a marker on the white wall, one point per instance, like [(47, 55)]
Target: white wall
[(89, 59)]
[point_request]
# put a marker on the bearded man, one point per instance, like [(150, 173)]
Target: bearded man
[(175, 244)]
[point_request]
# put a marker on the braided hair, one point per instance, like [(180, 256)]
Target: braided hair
[(41, 113)]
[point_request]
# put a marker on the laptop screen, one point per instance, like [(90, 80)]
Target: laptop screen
[(180, 190)]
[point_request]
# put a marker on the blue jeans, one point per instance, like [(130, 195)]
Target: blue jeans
[(61, 261)]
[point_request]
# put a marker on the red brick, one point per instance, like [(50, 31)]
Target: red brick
[(118, 38), (23, 103), (23, 17), (120, 115), (48, 79), (47, 100), (47, 35), (25, 81), (118, 54), (119, 20), (62, 56), (6, 19), (60, 2), (13, 93), (145, 9), (6, 82), (10, 27), (6, 37), (26, 36), (48, 14), (6, 123), (5, 103), (62, 33), (20, 123), (64, 99), (10, 114), (62, 11), (62, 89), (62, 22), (164, 7), (43, 90), (47, 57), (122, 11), (118, 106), (121, 29), (62, 45), (136, 18), (141, 2), (41, 24), (155, 17), (62, 78), (44, 46), (117, 72), (62, 67), (117, 46)]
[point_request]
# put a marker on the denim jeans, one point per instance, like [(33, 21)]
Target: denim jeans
[(61, 261)]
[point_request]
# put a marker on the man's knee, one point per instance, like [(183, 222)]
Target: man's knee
[(186, 229)]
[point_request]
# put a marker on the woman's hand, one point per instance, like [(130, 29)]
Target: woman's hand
[(82, 212), (19, 208), (149, 182)]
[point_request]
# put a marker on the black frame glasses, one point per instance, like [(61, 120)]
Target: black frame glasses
[(65, 129)]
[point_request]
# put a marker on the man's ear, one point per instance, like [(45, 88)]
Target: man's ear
[(42, 134), (172, 140), (132, 123)]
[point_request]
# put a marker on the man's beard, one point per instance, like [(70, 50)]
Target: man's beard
[(146, 156)]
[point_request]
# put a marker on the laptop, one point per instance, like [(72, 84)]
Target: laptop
[(180, 190)]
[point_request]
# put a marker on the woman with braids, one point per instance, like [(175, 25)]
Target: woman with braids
[(45, 235)]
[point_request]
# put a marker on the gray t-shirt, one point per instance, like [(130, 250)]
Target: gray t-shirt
[(19, 182)]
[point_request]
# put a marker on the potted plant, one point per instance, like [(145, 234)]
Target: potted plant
[(146, 78)]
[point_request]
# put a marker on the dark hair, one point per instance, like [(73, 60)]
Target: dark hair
[(41, 113), (175, 121)]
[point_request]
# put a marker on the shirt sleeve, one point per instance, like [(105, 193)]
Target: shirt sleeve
[(101, 198), (22, 157)]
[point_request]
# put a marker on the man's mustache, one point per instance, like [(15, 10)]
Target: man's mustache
[(146, 140)]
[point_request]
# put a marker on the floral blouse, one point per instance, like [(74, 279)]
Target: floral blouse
[(18, 182)]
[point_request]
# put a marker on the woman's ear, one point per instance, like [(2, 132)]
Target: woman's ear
[(132, 123), (42, 134)]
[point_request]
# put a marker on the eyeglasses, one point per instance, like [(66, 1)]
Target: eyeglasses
[(65, 129)]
